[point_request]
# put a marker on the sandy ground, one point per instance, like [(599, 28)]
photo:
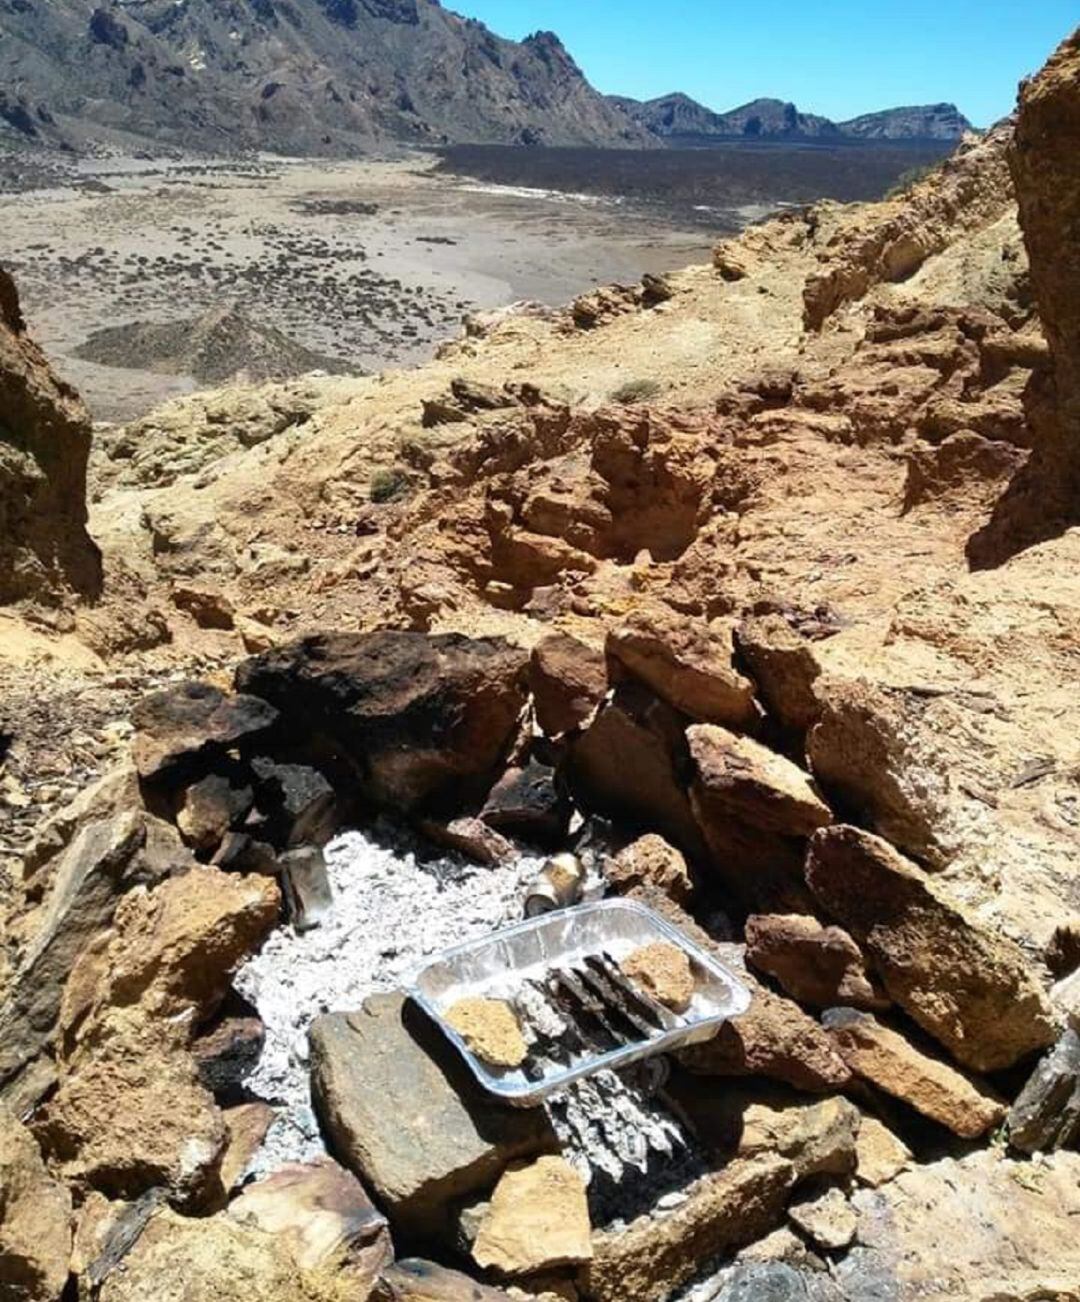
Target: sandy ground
[(293, 241)]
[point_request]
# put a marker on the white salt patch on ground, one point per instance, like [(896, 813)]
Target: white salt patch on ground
[(391, 911)]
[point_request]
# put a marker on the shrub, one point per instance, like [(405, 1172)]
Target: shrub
[(636, 391), (388, 485)]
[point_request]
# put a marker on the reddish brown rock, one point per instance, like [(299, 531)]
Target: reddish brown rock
[(817, 965), (568, 681), (686, 663), (35, 1219), (179, 728), (972, 991), (892, 1064), (784, 667), (650, 861), (738, 779), (423, 1281)]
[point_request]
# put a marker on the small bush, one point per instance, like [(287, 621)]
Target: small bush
[(906, 180), (388, 485), (636, 391)]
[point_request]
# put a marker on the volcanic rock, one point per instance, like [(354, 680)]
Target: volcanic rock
[(1046, 1114), (972, 991), (35, 1227), (738, 779), (817, 965), (629, 765), (208, 607), (686, 663), (298, 802), (650, 861), (179, 728), (88, 879), (885, 1059), (425, 720), (227, 1050), (784, 667), (880, 1155), (538, 1219), (776, 1039), (423, 1281), (649, 1259), (400, 1110), (529, 803), (568, 681), (46, 555), (322, 1216), (209, 808), (826, 1217)]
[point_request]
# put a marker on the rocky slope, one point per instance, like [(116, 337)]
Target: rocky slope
[(294, 76), (708, 536), (678, 115), (46, 555)]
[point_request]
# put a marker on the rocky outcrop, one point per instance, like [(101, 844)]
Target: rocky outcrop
[(46, 554), (1044, 498), (973, 992), (891, 240)]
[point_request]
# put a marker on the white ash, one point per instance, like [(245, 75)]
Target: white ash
[(391, 911)]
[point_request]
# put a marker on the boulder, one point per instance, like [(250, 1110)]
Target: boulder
[(568, 679), (630, 764), (686, 663), (972, 991), (784, 667), (35, 1219), (736, 779), (423, 1281), (182, 729), (46, 554), (761, 872), (172, 953), (88, 879), (773, 1038), (425, 720), (133, 1117), (1046, 1114), (538, 1220), (894, 1065), (817, 965), (401, 1110), (650, 861), (176, 1259), (651, 1259), (323, 1218)]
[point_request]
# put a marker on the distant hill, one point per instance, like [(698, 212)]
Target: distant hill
[(297, 76), (678, 116)]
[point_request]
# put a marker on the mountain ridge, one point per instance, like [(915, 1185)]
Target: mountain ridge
[(678, 115)]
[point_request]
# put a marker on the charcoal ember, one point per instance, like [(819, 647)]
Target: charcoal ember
[(297, 802), (306, 886), (227, 1051), (1046, 1115), (528, 802)]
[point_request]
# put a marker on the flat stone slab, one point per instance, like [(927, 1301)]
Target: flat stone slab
[(401, 1110)]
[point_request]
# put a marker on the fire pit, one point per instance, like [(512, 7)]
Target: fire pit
[(561, 979)]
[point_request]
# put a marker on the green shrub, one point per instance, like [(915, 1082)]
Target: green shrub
[(636, 391), (388, 485)]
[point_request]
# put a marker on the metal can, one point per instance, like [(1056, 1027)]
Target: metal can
[(560, 884)]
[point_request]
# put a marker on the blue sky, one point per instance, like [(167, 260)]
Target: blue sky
[(836, 57)]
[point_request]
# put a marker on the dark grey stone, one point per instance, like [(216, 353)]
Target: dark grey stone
[(1046, 1115)]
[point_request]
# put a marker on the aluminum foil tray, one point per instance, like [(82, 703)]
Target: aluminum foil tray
[(595, 1020)]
